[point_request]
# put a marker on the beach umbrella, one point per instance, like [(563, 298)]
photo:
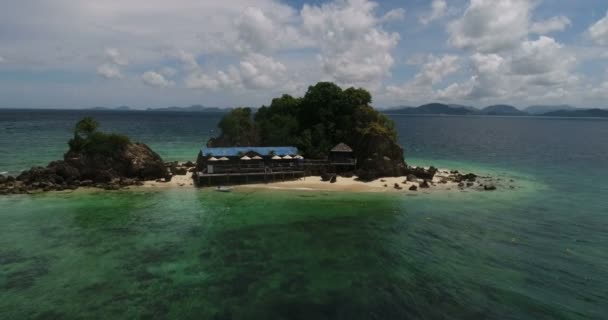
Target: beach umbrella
[(213, 159), (223, 159), (246, 158), (299, 157), (276, 158), (256, 158), (287, 157)]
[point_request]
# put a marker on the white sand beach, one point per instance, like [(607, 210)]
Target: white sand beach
[(443, 181), (314, 183)]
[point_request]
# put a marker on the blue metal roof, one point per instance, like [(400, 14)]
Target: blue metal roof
[(236, 151)]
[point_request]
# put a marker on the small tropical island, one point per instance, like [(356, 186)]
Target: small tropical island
[(329, 139)]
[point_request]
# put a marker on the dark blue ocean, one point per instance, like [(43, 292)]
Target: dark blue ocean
[(537, 252)]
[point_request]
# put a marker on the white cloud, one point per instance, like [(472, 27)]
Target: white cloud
[(491, 26), (261, 72), (438, 10), (394, 15), (542, 56), (559, 23), (255, 71), (115, 57), (355, 50), (201, 81), (187, 59), (431, 73), (155, 79), (599, 31), (168, 72), (111, 68), (265, 31), (109, 71), (537, 69)]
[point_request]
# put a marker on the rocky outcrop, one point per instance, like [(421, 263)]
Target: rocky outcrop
[(378, 155), (421, 173), (470, 177), (130, 165), (425, 184)]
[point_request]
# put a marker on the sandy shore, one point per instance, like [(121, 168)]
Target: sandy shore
[(443, 181), (176, 182), (314, 183)]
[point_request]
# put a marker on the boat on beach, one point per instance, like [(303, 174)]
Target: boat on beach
[(223, 189)]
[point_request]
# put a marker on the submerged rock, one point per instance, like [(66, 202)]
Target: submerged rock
[(421, 173), (413, 188), (489, 187), (471, 177), (425, 184), (180, 171)]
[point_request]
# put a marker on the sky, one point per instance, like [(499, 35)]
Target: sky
[(158, 53)]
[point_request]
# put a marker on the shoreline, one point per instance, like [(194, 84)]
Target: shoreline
[(443, 181)]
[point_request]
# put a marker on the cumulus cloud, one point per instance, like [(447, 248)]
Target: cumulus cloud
[(115, 57), (168, 72), (109, 71), (432, 72), (505, 63), (187, 59), (541, 56), (497, 49), (559, 23), (255, 71), (111, 68), (438, 10), (491, 25), (599, 31), (394, 15), (265, 31), (355, 49), (155, 79), (537, 68)]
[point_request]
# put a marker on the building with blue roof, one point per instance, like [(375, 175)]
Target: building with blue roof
[(240, 151)]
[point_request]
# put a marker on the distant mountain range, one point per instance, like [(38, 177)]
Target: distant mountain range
[(546, 109), (497, 110), (194, 108), (121, 108)]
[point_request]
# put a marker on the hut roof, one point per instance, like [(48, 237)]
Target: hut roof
[(342, 147), (239, 151)]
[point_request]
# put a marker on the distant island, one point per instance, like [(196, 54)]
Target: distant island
[(496, 110), (331, 135), (193, 108), (565, 111), (329, 139)]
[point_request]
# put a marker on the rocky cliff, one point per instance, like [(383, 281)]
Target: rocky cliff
[(130, 165), (94, 158)]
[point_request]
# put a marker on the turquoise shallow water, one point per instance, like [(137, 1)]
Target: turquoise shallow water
[(537, 252)]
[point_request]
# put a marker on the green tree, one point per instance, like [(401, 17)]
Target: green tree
[(85, 127), (238, 129), (87, 139), (324, 117)]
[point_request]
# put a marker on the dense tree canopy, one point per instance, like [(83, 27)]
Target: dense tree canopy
[(324, 117), (87, 139)]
